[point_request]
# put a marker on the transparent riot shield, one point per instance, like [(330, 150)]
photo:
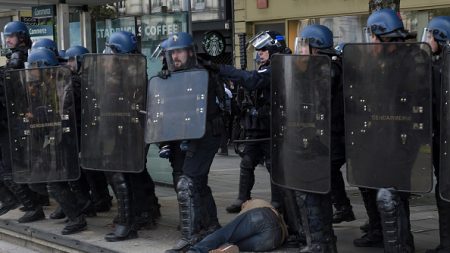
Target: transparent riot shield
[(444, 166), (387, 93), (112, 128), (176, 106), (301, 101), (42, 125)]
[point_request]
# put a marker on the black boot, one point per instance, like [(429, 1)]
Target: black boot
[(364, 227), (67, 200), (33, 215), (316, 219), (190, 214), (343, 213), (57, 214), (211, 223), (8, 201), (83, 198), (246, 182), (75, 225), (99, 190), (374, 236), (125, 228), (276, 199), (26, 197), (147, 219), (444, 225), (394, 213)]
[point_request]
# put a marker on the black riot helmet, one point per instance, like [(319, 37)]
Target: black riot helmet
[(272, 41)]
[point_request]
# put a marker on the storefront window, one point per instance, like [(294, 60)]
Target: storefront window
[(74, 28), (75, 33)]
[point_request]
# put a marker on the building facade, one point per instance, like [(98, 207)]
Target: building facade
[(346, 18)]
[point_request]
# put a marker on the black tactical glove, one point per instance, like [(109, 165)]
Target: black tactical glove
[(208, 64), (164, 74)]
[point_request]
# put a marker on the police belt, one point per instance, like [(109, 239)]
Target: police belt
[(252, 140)]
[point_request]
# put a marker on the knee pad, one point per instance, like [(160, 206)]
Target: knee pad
[(386, 200), (185, 186), (119, 182)]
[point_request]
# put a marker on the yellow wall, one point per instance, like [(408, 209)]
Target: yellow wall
[(287, 9), (246, 14)]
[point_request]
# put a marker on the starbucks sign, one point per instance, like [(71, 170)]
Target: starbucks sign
[(213, 43)]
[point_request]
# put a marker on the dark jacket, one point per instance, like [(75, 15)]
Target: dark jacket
[(256, 112)]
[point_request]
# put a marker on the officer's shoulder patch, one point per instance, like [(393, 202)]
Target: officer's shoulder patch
[(262, 70)]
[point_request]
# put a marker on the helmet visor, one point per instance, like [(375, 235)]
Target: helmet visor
[(5, 50), (302, 46), (111, 49), (36, 64), (430, 35), (261, 40), (367, 35), (157, 53)]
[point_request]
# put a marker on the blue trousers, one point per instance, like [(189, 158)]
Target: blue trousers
[(258, 229)]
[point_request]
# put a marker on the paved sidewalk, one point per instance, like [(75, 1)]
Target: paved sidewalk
[(224, 178)]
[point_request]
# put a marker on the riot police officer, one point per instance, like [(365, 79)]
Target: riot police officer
[(198, 210), (135, 192), (437, 34), (341, 202), (61, 191), (93, 181), (317, 223), (170, 150), (17, 39), (256, 121), (388, 209)]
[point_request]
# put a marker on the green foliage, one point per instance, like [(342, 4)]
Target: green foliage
[(380, 4), (106, 11)]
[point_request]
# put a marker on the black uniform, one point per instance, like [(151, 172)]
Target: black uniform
[(27, 198), (74, 198), (388, 209), (314, 211), (338, 194), (443, 206), (198, 210), (256, 122)]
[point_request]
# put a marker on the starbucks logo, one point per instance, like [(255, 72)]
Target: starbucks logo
[(213, 43)]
